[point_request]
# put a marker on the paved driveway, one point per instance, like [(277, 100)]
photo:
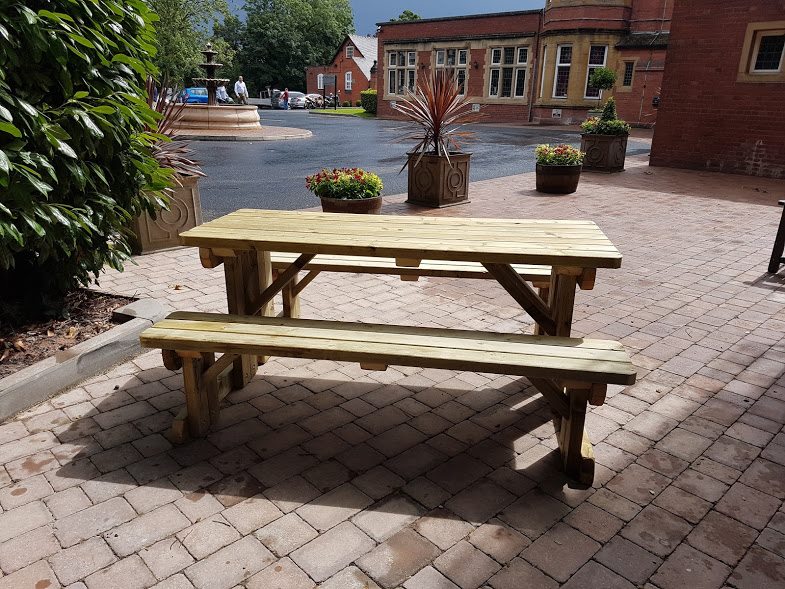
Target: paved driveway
[(272, 175)]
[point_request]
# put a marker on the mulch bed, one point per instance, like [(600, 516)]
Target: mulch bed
[(89, 313)]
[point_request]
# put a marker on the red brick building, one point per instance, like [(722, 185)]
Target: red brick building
[(534, 65), (352, 65), (723, 96)]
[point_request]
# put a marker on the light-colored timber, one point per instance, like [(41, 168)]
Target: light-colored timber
[(549, 362)]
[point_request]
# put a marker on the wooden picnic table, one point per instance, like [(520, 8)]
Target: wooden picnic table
[(243, 240)]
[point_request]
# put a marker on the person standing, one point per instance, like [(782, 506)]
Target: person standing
[(241, 91), (285, 98)]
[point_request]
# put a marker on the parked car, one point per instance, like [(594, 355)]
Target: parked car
[(194, 96), (296, 100), (277, 102)]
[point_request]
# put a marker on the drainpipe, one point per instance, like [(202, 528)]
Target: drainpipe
[(533, 84), (651, 56)]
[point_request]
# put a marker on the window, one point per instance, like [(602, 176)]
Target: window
[(544, 64), (349, 51), (348, 82), (320, 82), (562, 78), (763, 54), (629, 70), (401, 74), (597, 58), (456, 60), (507, 75), (768, 57)]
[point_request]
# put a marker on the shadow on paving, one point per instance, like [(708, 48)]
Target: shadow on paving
[(287, 439)]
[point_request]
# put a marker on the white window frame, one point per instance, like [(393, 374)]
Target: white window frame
[(557, 66), (591, 67), (347, 81), (758, 38), (463, 57), (497, 65), (403, 71), (349, 51), (320, 81), (441, 57), (544, 69), (457, 66)]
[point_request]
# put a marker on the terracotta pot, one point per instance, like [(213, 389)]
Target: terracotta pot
[(604, 153), (360, 206), (435, 182), (558, 179)]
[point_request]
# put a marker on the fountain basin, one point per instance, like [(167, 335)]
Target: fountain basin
[(222, 118)]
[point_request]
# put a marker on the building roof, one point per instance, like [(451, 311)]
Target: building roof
[(460, 17), (368, 47), (644, 40)]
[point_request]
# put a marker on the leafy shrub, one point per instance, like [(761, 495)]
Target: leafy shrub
[(368, 101), (345, 183), (603, 78), (558, 155), (346, 104), (75, 160), (608, 123), (358, 103)]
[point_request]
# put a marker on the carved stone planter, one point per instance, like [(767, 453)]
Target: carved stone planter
[(361, 206), (434, 182), (185, 212), (604, 153), (558, 179)]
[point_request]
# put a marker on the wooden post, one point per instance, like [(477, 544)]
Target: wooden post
[(291, 299), (545, 295), (196, 396), (575, 446), (241, 276), (562, 301)]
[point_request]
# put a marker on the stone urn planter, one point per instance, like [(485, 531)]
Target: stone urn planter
[(362, 206), (185, 212), (437, 182), (558, 179), (604, 153)]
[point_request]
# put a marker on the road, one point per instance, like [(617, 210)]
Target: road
[(271, 174)]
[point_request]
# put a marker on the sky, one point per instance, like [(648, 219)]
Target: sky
[(368, 12)]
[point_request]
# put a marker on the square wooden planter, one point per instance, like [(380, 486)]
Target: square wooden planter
[(185, 212), (434, 182)]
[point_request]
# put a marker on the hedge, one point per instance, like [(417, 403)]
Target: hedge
[(368, 100)]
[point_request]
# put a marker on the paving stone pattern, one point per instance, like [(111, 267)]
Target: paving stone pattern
[(321, 473)]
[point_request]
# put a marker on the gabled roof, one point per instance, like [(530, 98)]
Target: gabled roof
[(368, 49)]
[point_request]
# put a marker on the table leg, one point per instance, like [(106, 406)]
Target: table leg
[(576, 449), (779, 246), (562, 301), (247, 275), (545, 295)]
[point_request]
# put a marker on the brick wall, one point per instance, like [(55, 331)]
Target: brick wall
[(708, 119), (648, 15), (339, 67), (634, 103)]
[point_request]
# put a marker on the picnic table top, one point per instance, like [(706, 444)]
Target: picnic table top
[(572, 243)]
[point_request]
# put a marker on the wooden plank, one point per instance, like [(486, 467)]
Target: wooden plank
[(373, 366), (171, 360), (238, 270), (291, 302), (209, 259), (554, 394), (569, 359), (179, 431), (407, 263), (277, 285), (577, 456), (544, 292), (524, 295), (306, 280)]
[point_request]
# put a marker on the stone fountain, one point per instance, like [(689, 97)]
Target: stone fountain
[(213, 118)]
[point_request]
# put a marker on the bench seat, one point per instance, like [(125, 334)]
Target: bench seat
[(570, 372)]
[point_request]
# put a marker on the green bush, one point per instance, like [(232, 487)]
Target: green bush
[(358, 103), (368, 101), (608, 123), (75, 160), (602, 78), (346, 104)]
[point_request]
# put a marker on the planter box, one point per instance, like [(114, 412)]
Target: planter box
[(362, 206), (604, 153), (558, 179), (185, 212), (434, 182)]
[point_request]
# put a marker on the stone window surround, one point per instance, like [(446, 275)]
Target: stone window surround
[(749, 52)]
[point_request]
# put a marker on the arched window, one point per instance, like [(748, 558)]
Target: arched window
[(320, 82)]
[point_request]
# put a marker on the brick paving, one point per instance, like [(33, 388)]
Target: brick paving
[(319, 472)]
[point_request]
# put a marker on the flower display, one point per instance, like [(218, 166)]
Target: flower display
[(345, 183), (558, 155)]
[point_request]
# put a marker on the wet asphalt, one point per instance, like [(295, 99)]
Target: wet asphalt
[(271, 174)]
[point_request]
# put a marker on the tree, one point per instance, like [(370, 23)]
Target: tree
[(182, 32), (285, 36), (406, 15), (228, 38), (76, 164)]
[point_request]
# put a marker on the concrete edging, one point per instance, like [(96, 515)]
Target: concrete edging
[(47, 378)]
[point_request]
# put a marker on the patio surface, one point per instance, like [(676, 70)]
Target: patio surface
[(430, 479)]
